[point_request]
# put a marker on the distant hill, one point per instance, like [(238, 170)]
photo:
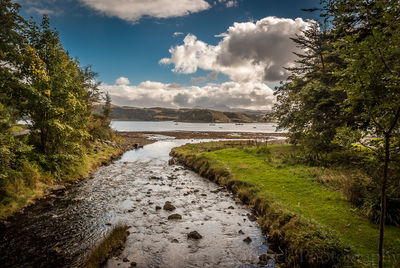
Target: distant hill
[(184, 115)]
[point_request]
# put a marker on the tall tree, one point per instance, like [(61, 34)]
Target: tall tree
[(308, 105), (11, 41), (368, 37), (59, 93), (107, 110)]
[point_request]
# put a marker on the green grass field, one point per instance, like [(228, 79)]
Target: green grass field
[(295, 188)]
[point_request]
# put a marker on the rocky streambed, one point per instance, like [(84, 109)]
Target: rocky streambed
[(176, 219)]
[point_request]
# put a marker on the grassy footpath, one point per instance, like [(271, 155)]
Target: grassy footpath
[(32, 183), (315, 225)]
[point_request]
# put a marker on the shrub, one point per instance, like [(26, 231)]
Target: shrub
[(372, 209)]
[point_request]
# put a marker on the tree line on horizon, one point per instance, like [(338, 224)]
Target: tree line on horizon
[(343, 99)]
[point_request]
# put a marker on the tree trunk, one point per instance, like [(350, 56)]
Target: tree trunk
[(383, 199)]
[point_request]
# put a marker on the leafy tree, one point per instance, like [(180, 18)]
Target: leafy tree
[(58, 96), (308, 105), (11, 41), (368, 37)]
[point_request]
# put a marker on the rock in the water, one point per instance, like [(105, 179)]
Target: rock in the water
[(133, 264), (125, 260), (251, 217), (194, 235), (247, 240), (241, 232), (168, 206), (264, 258), (231, 207), (174, 217), (175, 241), (158, 207)]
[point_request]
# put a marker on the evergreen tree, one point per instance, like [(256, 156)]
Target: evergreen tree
[(307, 104), (107, 110)]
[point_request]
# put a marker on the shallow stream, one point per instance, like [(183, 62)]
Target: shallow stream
[(58, 231)]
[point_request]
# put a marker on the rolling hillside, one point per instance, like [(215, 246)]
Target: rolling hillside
[(183, 115)]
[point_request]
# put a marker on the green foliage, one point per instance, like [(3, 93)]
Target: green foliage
[(308, 106), (40, 81), (107, 111), (345, 89), (299, 208)]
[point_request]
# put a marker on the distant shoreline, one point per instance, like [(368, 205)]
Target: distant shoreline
[(193, 121), (202, 135)]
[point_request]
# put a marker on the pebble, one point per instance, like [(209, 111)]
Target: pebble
[(174, 217), (247, 240), (194, 235), (168, 206)]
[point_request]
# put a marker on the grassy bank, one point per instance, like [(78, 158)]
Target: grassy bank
[(31, 182), (315, 225), (114, 241)]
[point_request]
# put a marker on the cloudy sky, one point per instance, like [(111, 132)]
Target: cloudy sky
[(222, 54)]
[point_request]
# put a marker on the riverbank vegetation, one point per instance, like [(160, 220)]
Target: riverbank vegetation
[(343, 99), (309, 212), (112, 243), (64, 139)]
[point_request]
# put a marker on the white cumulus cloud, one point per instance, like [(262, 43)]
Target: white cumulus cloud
[(122, 81), (228, 95), (133, 10), (248, 52)]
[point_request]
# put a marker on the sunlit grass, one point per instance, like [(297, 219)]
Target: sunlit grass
[(298, 189)]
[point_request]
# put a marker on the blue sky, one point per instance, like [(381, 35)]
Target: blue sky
[(129, 39)]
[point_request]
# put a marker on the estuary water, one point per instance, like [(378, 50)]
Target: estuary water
[(158, 126)]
